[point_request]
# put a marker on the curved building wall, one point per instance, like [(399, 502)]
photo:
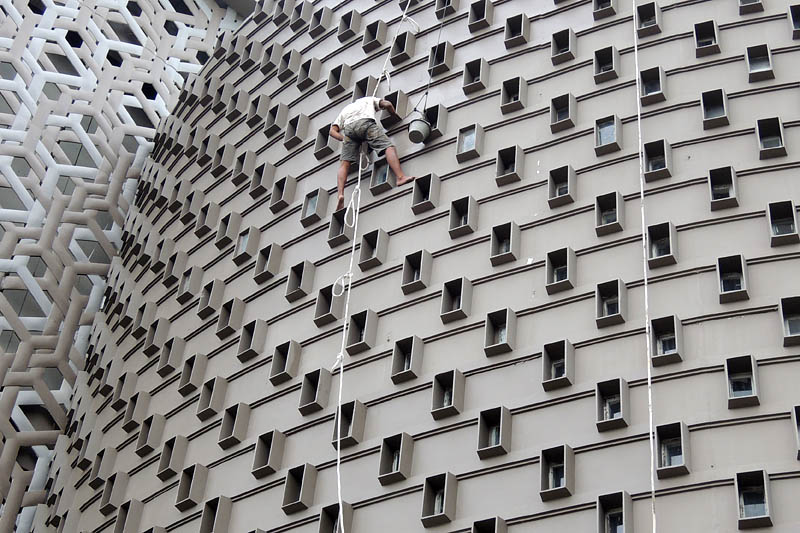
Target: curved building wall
[(210, 392)]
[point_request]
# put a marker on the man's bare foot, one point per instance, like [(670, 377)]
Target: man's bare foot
[(340, 203), (404, 180)]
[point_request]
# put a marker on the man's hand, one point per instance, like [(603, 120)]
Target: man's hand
[(388, 106), (336, 134)]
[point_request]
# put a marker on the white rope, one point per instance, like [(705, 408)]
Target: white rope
[(640, 147), (384, 70)]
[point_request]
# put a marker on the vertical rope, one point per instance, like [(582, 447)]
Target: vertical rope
[(640, 147), (388, 55)]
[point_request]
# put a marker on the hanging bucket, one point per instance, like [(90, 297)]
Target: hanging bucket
[(418, 130)]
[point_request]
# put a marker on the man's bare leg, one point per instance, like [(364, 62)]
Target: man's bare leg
[(394, 164), (341, 178)]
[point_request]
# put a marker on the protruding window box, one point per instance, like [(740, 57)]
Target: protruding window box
[(296, 130), (742, 377), (268, 453), (251, 340), (439, 497), (607, 135), (561, 186), (171, 356), (315, 204), (481, 14), (362, 333), (216, 515), (666, 340), (192, 487), (556, 473), (406, 359), (338, 231), (445, 8), (402, 48), (510, 165), (328, 307), (309, 73), (513, 95), (752, 495), (262, 181), (561, 270), (750, 6), (714, 105), (448, 394), (722, 188), (615, 513), (128, 517), (400, 102), (611, 303), (223, 160), (259, 106), (145, 314), (285, 360), (476, 74), (320, 21), (268, 262), (648, 19), (436, 115), (176, 264), (348, 429), (135, 411), (246, 245), (706, 38), (500, 330), (228, 230), (470, 143), (440, 59), (416, 271), (212, 397), (612, 404), (332, 521), (653, 86), (796, 428), (102, 467), (759, 63), (288, 66), (425, 195), (298, 491), (276, 119), (558, 365), (789, 313), (769, 132), (489, 525), (300, 281), (732, 276), (374, 36), (301, 15), (230, 317), (662, 245), (113, 492), (234, 425), (349, 26), (504, 244), (456, 300), (494, 432), (604, 8), (374, 246), (192, 374), (338, 80), (396, 457), (124, 390), (382, 178), (794, 20), (315, 391), (518, 30), (672, 446), (156, 336), (562, 113), (606, 64), (563, 46), (271, 57), (609, 212)]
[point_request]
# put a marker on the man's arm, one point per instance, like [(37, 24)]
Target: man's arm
[(335, 133), (387, 105)]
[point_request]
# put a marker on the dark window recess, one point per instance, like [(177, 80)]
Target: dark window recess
[(722, 188), (714, 104), (74, 39)]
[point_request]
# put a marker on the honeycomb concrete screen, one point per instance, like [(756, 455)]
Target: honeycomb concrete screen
[(582, 314)]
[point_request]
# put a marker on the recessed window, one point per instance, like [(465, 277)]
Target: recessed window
[(246, 245), (191, 487), (268, 453), (282, 193), (561, 186), (480, 15), (374, 245), (611, 303), (750, 6), (309, 73), (661, 245), (456, 300), (439, 499), (796, 428), (298, 491), (609, 213), (172, 456), (557, 473), (476, 74), (349, 25), (328, 307), (489, 525), (714, 104), (741, 374), (606, 61), (672, 445), (517, 31), (348, 424), (230, 318), (276, 119), (558, 365), (402, 48), (499, 332), (752, 494), (469, 143), (296, 130), (722, 188), (504, 243), (562, 46), (416, 271), (271, 57), (560, 270), (436, 115), (212, 395), (448, 394), (285, 360), (192, 374), (395, 459), (657, 160), (400, 102), (374, 36), (339, 232), (608, 135), (288, 65), (463, 216), (790, 318), (445, 8), (510, 165), (251, 340), (705, 37), (361, 331), (440, 59), (513, 95), (315, 391), (301, 14), (234, 425), (611, 399), (406, 359), (614, 513), (324, 144), (300, 281), (770, 138), (759, 63), (732, 275), (782, 220), (320, 21), (383, 178), (268, 262), (648, 19), (314, 207), (425, 194), (562, 113), (494, 432), (794, 20), (604, 8), (666, 340)]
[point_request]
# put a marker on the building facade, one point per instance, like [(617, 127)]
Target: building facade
[(549, 330)]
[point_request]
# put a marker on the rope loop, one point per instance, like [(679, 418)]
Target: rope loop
[(341, 281)]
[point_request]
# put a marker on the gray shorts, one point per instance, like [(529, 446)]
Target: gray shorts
[(361, 130)]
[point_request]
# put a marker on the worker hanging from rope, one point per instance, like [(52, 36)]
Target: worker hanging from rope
[(355, 125)]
